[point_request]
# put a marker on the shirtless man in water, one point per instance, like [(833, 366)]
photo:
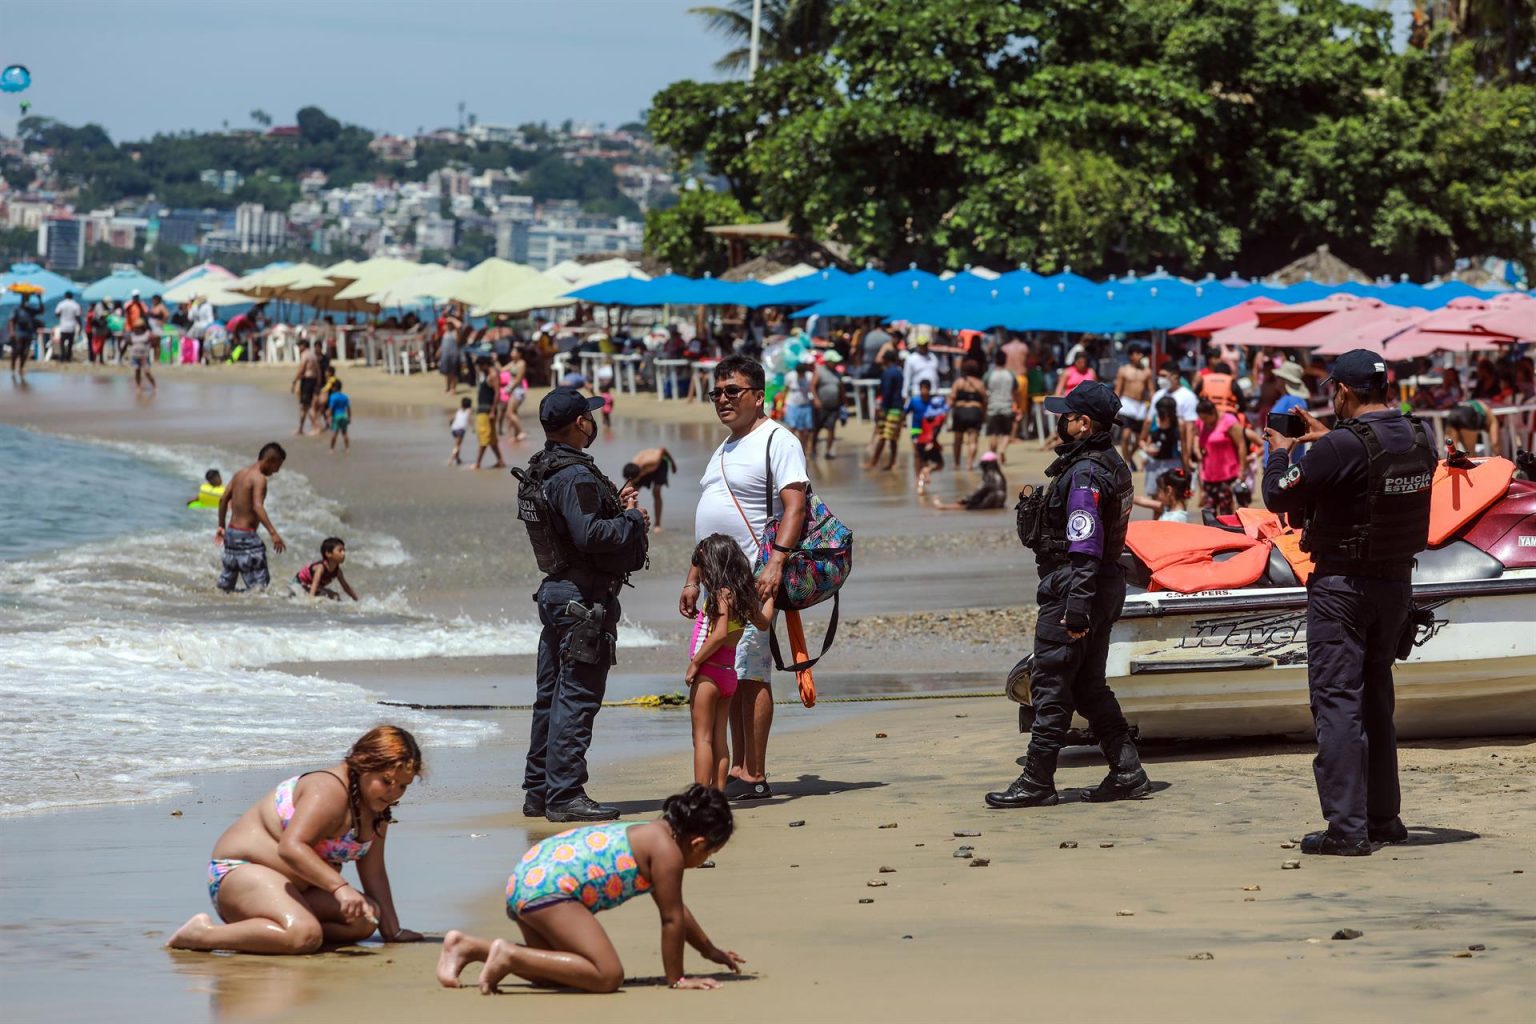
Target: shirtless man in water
[(650, 468), (244, 504), (1133, 383), (305, 380)]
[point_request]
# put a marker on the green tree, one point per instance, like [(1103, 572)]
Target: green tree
[(315, 125), (676, 237), (261, 117), (1119, 133), (788, 31)]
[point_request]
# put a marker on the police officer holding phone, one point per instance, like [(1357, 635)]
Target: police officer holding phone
[(1077, 533), (587, 537), (1362, 493)]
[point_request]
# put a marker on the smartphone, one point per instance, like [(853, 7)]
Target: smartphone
[(1286, 424)]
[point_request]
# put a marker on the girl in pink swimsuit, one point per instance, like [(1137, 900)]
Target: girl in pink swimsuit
[(275, 877), (730, 601)]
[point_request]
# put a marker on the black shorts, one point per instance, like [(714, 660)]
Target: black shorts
[(1467, 416), (968, 418), (307, 392), (1132, 424), (1000, 424), (931, 453), (656, 476)]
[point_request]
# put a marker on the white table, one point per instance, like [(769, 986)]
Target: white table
[(626, 371), (703, 376), (676, 373), (866, 394), (590, 363)]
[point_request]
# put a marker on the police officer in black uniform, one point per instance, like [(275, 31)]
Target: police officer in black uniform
[(587, 536), (1362, 491), (1077, 534)]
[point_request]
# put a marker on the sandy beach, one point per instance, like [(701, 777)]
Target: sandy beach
[(1172, 908)]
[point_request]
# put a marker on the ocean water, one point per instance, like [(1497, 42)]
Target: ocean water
[(123, 669)]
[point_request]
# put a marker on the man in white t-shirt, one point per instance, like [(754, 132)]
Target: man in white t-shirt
[(68, 312), (921, 365), (1170, 383), (740, 492)]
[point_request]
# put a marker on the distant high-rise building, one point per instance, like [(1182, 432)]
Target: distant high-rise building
[(61, 241)]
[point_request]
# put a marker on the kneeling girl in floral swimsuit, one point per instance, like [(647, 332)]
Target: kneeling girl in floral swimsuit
[(563, 881)]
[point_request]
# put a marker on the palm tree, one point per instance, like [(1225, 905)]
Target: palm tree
[(790, 29)]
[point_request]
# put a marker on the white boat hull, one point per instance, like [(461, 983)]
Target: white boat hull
[(1235, 663)]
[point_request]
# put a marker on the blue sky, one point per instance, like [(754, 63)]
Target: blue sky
[(141, 66)]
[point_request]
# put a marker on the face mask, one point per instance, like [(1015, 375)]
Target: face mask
[(1062, 430), (592, 437)]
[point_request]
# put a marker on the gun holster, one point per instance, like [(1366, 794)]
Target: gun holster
[(1418, 618), (588, 643)]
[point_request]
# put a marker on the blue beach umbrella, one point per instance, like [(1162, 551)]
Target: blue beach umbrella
[(53, 285), (120, 284)]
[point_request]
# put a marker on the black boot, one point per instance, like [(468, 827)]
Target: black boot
[(1035, 786), (1126, 779)]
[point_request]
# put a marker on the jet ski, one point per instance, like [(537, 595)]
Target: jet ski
[(1213, 639)]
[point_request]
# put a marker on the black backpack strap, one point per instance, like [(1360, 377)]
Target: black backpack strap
[(826, 642), (768, 477)]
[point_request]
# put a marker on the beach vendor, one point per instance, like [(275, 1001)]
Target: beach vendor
[(564, 881), (1078, 533), (244, 504), (587, 537), (276, 879), (1363, 492)]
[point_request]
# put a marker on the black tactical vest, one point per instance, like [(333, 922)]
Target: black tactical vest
[(1396, 526), (552, 547), (1116, 491)]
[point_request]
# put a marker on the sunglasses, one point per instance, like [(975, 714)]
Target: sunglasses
[(730, 392)]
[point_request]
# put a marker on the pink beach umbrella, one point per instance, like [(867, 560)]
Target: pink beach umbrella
[(1306, 324), (1512, 314), (1456, 327), (1245, 312), (1375, 334)]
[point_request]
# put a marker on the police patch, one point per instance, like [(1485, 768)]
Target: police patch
[(1080, 526), (1291, 478), (589, 498)]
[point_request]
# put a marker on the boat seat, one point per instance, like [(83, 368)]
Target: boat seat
[(1137, 574), (1457, 560), (1278, 573)]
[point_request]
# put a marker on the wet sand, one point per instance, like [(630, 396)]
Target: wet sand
[(1036, 931)]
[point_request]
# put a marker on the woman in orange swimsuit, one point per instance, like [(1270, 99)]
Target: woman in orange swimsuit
[(275, 878)]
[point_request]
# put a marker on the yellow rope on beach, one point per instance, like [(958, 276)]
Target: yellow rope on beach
[(679, 700)]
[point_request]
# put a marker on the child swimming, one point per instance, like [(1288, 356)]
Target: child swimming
[(564, 881), (209, 492), (314, 579), (730, 602)]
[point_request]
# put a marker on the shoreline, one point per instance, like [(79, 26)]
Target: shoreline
[(103, 887)]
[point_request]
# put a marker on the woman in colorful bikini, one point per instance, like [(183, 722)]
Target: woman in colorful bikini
[(562, 882), (275, 878)]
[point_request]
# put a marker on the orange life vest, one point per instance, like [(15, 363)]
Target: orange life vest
[(1218, 390)]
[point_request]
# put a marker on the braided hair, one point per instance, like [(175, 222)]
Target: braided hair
[(380, 749), (699, 811)]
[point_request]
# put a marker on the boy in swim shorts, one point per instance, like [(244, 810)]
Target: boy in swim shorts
[(244, 504), (314, 579), (458, 428)]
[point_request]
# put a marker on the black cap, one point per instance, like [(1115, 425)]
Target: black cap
[(1360, 369), (1091, 398), (564, 406)]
